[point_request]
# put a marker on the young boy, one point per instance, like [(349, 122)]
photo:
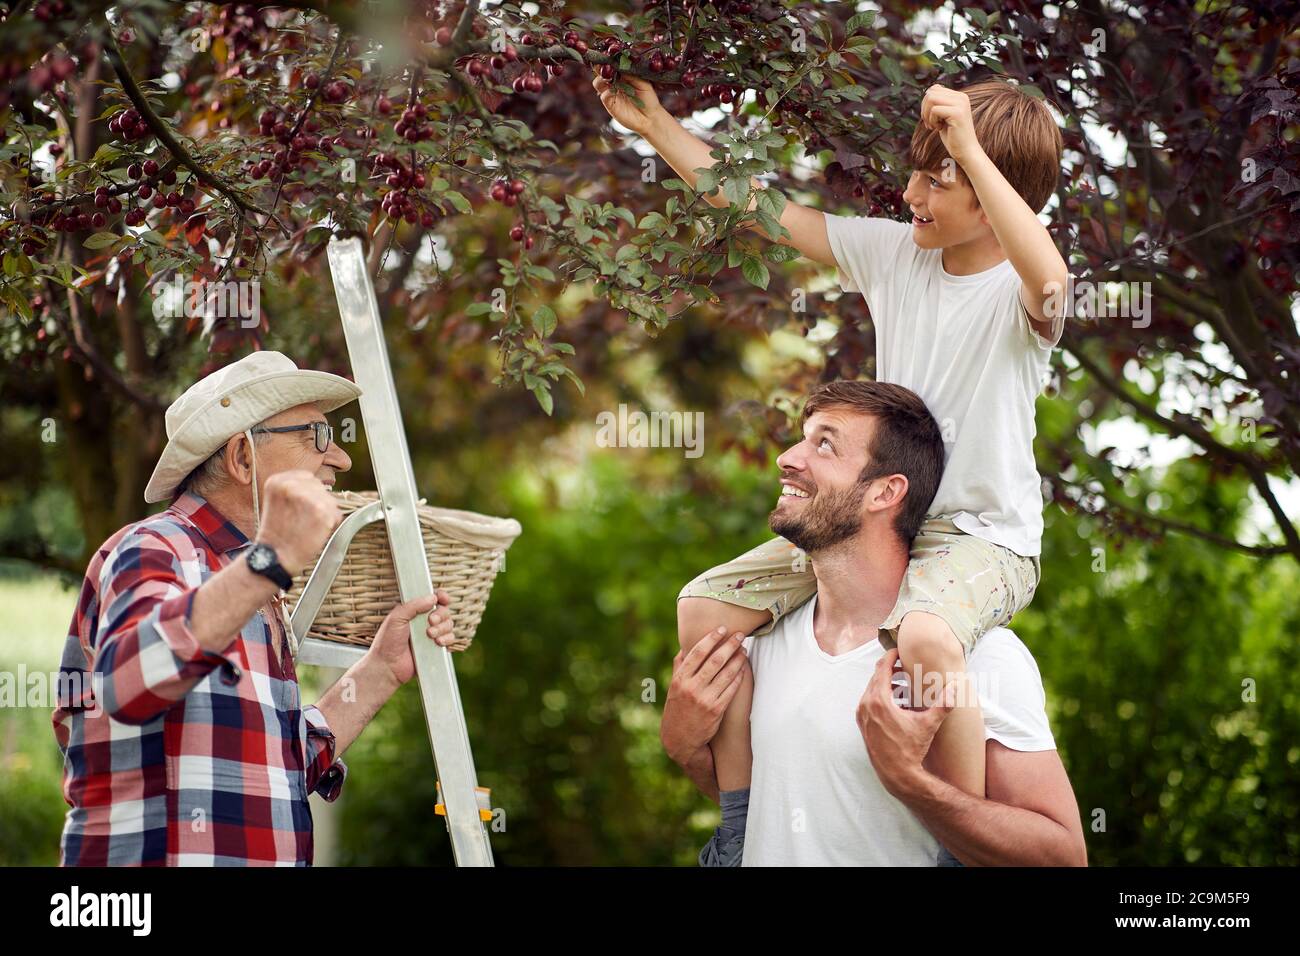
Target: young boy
[(964, 301)]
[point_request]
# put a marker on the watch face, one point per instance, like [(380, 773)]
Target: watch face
[(259, 559)]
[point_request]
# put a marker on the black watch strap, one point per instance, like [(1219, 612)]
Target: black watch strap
[(263, 560)]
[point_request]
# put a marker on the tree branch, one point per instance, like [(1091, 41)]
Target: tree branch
[(169, 141)]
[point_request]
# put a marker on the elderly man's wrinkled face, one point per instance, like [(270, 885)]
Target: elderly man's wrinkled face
[(294, 450)]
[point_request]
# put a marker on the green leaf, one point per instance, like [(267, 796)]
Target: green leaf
[(772, 201), (457, 200), (780, 253), (11, 264), (543, 394), (478, 308), (736, 190), (860, 20), (544, 321), (889, 66), (101, 240), (755, 272), (770, 225), (707, 181)]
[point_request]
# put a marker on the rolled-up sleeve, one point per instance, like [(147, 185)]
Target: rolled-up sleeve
[(325, 773), (145, 651)]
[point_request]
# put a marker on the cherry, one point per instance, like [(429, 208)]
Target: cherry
[(144, 191), (114, 205), (134, 171), (99, 220), (517, 233), (426, 219), (150, 167), (517, 186), (511, 53), (443, 36)]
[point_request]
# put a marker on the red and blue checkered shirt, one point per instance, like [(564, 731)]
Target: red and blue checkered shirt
[(174, 755)]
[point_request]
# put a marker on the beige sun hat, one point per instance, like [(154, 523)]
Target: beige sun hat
[(232, 399)]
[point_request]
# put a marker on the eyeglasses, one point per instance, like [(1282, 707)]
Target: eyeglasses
[(324, 432)]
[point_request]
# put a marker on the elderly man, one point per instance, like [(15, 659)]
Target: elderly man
[(187, 742)]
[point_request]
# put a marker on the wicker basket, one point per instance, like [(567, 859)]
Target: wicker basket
[(465, 551)]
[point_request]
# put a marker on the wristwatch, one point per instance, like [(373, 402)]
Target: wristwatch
[(263, 560)]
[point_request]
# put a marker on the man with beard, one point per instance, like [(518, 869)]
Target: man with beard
[(855, 492)]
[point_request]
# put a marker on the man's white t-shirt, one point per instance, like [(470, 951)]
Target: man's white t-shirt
[(814, 798), (965, 345)]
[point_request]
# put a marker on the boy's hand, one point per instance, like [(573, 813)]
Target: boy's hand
[(621, 107), (947, 112)]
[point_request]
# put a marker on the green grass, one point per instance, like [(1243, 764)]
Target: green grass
[(35, 611)]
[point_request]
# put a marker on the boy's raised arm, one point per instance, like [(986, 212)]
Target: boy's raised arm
[(686, 153), (1027, 243)]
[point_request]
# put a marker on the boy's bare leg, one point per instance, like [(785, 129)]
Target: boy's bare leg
[(957, 753), (732, 757)]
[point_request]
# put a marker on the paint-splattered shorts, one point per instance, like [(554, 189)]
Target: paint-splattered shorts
[(972, 584)]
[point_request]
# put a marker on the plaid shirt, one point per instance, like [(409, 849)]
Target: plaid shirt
[(174, 755)]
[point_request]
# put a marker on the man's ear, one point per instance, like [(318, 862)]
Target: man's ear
[(239, 465), (886, 492)]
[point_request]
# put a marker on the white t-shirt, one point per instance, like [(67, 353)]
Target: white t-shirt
[(814, 798), (965, 345)]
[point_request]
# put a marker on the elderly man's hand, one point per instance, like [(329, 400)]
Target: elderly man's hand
[(392, 644), (298, 517), (897, 738), (705, 679)]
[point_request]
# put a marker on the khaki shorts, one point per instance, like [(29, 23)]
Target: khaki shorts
[(972, 584)]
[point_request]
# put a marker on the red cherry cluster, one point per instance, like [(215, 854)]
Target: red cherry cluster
[(336, 91), (411, 126), (44, 75), (613, 47), (129, 125), (397, 202), (48, 10), (507, 191), (517, 234), (528, 82), (721, 91)]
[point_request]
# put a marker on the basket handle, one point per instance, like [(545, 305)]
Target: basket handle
[(327, 567)]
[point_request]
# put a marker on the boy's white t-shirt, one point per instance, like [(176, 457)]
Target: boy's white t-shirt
[(814, 798), (965, 345)]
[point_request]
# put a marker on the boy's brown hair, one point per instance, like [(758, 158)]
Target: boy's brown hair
[(1015, 130), (906, 441)]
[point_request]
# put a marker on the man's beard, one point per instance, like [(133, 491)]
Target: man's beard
[(831, 517)]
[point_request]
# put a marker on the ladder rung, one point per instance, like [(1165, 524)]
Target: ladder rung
[(482, 794)]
